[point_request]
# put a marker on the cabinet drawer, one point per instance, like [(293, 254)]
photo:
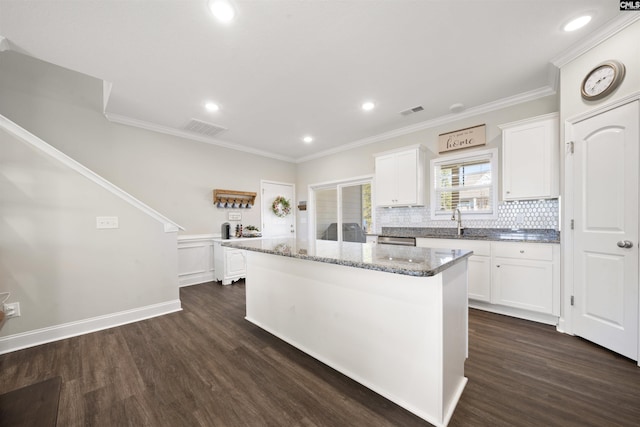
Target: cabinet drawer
[(537, 251), (479, 247)]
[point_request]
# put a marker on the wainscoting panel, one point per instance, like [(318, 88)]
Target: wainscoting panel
[(195, 259)]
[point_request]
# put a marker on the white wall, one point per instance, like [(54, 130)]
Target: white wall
[(68, 276), (172, 175), (54, 261)]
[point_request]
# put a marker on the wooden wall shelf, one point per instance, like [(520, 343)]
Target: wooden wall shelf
[(233, 198)]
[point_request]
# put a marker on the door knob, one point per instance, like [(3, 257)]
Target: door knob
[(625, 244)]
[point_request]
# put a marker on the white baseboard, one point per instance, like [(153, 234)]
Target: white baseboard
[(515, 312), (67, 330), (195, 278)]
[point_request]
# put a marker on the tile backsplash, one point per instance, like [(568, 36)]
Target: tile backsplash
[(530, 214)]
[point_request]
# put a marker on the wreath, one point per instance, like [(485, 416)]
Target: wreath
[(281, 207)]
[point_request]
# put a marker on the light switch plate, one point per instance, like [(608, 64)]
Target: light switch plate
[(11, 309), (106, 222)]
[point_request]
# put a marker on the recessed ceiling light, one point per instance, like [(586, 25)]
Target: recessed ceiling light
[(577, 23), (211, 106), (368, 106), (308, 139), (222, 10)]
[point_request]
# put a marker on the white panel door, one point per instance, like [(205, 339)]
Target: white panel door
[(606, 216), (273, 225)]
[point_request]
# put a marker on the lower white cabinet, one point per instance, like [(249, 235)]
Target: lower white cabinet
[(515, 275), (479, 266), (479, 271), (230, 263), (525, 276)]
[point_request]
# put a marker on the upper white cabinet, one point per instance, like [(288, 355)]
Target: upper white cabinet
[(530, 158), (399, 177)]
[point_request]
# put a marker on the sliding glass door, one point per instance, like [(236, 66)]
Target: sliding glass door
[(343, 211)]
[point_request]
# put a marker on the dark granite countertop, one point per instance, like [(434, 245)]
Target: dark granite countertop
[(407, 260), (493, 234)]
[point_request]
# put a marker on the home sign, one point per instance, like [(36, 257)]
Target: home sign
[(463, 138)]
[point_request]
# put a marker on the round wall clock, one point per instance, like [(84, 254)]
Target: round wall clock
[(602, 80)]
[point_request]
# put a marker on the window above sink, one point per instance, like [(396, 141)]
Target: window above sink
[(468, 182)]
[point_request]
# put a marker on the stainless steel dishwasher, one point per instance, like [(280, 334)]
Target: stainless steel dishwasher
[(400, 241)]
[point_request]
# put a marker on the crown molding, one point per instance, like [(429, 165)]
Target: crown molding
[(448, 118), (553, 77), (106, 94), (608, 30), (124, 120)]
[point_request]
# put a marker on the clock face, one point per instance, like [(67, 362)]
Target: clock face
[(602, 80), (599, 80)]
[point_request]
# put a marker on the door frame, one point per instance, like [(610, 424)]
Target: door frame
[(311, 204), (566, 321)]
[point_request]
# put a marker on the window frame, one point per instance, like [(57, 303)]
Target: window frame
[(491, 155), (338, 185)]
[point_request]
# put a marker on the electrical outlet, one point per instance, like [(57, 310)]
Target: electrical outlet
[(106, 222), (12, 310)]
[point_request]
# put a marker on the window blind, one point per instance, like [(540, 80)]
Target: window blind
[(465, 183)]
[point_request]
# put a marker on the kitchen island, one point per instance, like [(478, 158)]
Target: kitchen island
[(392, 318)]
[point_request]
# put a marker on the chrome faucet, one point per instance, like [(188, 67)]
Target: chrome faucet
[(453, 218)]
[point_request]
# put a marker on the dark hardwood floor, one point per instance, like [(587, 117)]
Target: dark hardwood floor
[(207, 366)]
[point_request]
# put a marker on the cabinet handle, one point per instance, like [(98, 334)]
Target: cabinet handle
[(522, 251), (498, 266), (508, 192)]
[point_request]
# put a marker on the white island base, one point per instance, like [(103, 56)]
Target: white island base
[(402, 336)]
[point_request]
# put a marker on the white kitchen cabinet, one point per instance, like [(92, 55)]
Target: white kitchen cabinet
[(513, 278), (399, 177), (530, 158), (479, 266), (526, 276), (230, 263)]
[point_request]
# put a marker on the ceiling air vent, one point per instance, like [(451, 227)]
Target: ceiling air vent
[(412, 110), (204, 128)]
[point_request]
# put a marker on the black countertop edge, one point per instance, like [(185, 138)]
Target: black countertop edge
[(491, 234)]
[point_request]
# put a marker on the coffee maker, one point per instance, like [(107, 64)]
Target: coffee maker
[(226, 230)]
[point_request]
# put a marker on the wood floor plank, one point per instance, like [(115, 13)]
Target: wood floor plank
[(208, 366)]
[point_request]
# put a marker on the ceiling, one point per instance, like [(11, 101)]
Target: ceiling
[(285, 69)]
